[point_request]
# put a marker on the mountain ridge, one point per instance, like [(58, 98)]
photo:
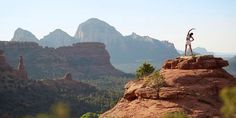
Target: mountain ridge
[(125, 51)]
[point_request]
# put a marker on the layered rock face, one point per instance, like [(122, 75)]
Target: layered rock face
[(192, 88)]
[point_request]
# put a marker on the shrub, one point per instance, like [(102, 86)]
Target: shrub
[(228, 96), (176, 114), (144, 70), (155, 80)]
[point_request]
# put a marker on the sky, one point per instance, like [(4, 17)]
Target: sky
[(214, 20)]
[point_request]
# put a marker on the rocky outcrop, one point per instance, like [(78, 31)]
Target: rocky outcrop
[(21, 72), (22, 35), (196, 62), (193, 89)]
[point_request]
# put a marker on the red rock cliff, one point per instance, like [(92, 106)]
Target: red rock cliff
[(191, 85)]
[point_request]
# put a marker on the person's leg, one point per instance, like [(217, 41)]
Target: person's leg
[(185, 49), (190, 47)]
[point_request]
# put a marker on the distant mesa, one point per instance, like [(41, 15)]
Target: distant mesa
[(87, 59), (22, 35)]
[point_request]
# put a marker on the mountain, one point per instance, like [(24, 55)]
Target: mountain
[(185, 85), (82, 60), (198, 50), (57, 38), (203, 51), (126, 51), (95, 30), (22, 35)]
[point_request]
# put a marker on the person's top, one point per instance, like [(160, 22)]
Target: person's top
[(188, 37)]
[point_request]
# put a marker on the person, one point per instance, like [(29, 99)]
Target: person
[(188, 41)]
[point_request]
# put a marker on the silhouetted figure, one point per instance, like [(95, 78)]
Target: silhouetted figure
[(188, 41)]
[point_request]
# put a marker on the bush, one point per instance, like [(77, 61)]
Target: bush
[(228, 96), (144, 70), (176, 114), (155, 80)]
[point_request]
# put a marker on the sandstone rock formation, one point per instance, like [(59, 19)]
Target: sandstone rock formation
[(21, 72), (196, 62), (191, 85)]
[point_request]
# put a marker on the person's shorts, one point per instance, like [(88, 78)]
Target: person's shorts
[(188, 42)]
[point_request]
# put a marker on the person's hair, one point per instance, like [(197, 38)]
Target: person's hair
[(191, 34)]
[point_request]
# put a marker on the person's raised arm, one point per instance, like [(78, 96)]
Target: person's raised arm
[(190, 30)]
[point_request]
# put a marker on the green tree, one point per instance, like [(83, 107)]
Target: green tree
[(144, 70), (228, 96)]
